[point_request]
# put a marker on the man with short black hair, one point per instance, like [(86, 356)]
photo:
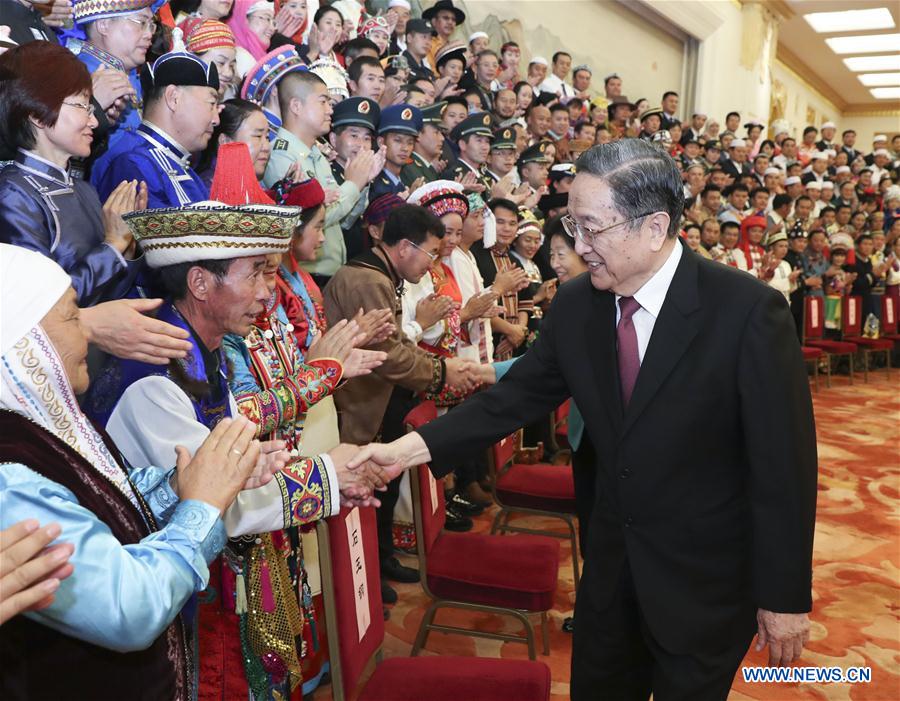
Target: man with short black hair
[(306, 114), (555, 83), (366, 78), (473, 137), (669, 107), (427, 150), (419, 33)]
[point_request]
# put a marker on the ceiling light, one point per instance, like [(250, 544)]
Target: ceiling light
[(872, 43), (873, 79), (886, 93), (850, 20), (873, 63)]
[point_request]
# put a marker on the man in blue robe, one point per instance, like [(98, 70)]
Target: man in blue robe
[(118, 35), (180, 112)]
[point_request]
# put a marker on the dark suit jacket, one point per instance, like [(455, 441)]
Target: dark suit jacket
[(731, 168), (706, 484)]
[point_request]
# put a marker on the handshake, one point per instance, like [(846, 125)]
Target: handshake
[(363, 470), (467, 375)]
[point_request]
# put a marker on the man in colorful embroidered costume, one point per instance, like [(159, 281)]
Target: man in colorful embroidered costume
[(210, 258)]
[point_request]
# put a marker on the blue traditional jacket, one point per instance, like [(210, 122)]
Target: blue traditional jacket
[(130, 119), (200, 366), (45, 209), (151, 155)]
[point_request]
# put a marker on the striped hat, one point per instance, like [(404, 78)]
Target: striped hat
[(268, 71), (91, 10), (378, 210), (202, 35)]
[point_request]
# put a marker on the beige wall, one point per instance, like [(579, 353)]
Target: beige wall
[(803, 106), (601, 33)]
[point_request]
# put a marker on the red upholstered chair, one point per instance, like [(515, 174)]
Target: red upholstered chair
[(813, 332), (348, 550), (812, 355), (889, 319), (540, 489), (851, 332), (476, 571), (561, 425)]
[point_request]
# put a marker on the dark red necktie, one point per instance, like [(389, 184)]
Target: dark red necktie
[(626, 336)]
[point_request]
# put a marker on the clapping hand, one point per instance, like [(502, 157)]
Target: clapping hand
[(30, 572), (342, 342), (227, 461), (376, 324), (125, 329)]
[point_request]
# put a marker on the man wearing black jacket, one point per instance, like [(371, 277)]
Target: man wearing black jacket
[(694, 543)]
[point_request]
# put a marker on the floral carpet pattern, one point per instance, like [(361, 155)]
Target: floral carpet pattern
[(856, 576)]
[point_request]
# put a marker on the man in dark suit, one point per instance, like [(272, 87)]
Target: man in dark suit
[(692, 386), (735, 163)]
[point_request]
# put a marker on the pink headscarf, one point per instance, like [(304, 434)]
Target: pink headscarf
[(243, 35)]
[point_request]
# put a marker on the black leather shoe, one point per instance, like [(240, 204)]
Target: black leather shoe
[(388, 593), (568, 625), (393, 570), (456, 521), (463, 505)]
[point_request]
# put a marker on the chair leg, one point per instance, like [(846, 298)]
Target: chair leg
[(545, 632), (816, 374), (573, 537), (828, 373), (529, 639), (850, 357), (496, 522), (865, 356), (424, 629)]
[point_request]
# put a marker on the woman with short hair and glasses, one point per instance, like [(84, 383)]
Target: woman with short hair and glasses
[(46, 119)]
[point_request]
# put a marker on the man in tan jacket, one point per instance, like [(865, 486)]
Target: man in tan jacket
[(373, 406)]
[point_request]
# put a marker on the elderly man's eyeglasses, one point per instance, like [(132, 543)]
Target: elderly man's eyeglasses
[(87, 107), (147, 24), (431, 256), (589, 236)]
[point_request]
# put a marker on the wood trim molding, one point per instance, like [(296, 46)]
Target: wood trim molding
[(809, 77), (779, 8), (891, 109)]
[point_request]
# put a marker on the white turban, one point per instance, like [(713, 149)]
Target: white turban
[(30, 284)]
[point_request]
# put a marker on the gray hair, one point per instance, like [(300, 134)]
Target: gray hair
[(643, 178)]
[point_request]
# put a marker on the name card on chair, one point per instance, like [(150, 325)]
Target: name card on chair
[(432, 486), (358, 565)]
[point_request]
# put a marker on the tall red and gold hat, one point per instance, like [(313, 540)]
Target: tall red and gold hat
[(239, 221)]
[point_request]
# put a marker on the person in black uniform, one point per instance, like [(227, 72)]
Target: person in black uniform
[(473, 136), (397, 132), (353, 126)]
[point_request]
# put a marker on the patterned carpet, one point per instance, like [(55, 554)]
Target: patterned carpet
[(856, 616)]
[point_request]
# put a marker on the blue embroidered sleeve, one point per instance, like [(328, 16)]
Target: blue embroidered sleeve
[(119, 596)]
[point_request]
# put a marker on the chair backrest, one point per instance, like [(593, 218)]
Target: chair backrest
[(888, 315), (813, 318), (351, 588), (429, 508), (851, 311), (503, 451), (561, 415)]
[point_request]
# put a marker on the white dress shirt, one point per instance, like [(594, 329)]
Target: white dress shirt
[(651, 297)]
